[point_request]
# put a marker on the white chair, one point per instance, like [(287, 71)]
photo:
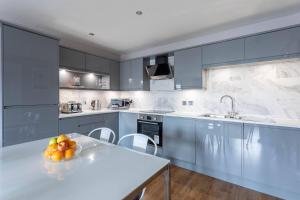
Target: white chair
[(104, 134), (139, 143)]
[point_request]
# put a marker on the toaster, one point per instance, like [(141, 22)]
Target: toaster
[(71, 107)]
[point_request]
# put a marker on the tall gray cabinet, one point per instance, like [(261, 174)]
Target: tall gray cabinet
[(30, 86)]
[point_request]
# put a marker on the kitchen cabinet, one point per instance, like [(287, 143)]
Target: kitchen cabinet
[(221, 53), (266, 46), (179, 138), (114, 72), (28, 123), (219, 147), (272, 158), (71, 59), (29, 77), (127, 123), (133, 75), (188, 68), (96, 64), (85, 124)]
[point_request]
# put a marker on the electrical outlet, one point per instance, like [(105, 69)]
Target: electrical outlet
[(190, 103), (184, 103)]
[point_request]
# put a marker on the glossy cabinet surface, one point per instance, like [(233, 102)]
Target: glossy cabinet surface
[(114, 72), (127, 123), (272, 157), (219, 146), (71, 59), (223, 52), (179, 138), (272, 44), (28, 123), (133, 75), (69, 125), (188, 68), (96, 64), (30, 68)]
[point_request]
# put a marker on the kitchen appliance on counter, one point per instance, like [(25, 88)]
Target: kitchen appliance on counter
[(96, 104), (120, 103), (71, 107), (152, 126)]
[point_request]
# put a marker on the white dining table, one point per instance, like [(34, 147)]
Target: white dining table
[(100, 171)]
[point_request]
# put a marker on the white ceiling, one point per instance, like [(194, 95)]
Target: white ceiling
[(119, 30)]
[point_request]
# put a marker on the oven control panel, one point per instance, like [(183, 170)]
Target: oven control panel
[(149, 117)]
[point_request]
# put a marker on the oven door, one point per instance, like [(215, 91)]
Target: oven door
[(151, 129)]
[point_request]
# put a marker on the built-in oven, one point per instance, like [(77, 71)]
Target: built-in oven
[(152, 126)]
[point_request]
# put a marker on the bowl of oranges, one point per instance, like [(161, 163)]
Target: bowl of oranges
[(61, 148)]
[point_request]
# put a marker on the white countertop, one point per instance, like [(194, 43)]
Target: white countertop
[(248, 119), (102, 171)]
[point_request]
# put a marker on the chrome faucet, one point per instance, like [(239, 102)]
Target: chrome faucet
[(232, 113)]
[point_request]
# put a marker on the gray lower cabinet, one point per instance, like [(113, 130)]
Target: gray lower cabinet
[(272, 158), (30, 68), (71, 59), (219, 147), (266, 46), (179, 139), (96, 64), (28, 123), (114, 72), (127, 123), (133, 75), (188, 68), (221, 53), (85, 124)]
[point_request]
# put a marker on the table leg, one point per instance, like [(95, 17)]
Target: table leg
[(167, 184)]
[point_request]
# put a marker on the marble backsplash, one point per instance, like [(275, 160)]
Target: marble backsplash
[(269, 88)]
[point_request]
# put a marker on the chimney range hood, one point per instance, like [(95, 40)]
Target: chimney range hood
[(161, 67)]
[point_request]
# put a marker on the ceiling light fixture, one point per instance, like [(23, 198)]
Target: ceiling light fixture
[(91, 34), (139, 12)]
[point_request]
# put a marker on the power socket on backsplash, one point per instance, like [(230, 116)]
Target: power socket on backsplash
[(187, 103)]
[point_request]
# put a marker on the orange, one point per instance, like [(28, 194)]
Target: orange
[(72, 144), (69, 153), (47, 154), (52, 147), (57, 156), (62, 138)]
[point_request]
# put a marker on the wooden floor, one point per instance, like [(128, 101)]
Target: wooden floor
[(187, 185)]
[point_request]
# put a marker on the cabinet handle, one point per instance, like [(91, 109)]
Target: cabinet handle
[(210, 124), (218, 125)]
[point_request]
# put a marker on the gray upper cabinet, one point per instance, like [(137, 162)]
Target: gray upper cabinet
[(71, 59), (28, 123), (272, 158), (219, 147), (179, 138), (30, 68), (188, 68), (114, 72), (273, 44), (133, 75), (97, 64), (231, 51)]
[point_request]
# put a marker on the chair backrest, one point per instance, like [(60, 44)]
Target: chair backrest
[(104, 134), (139, 142)]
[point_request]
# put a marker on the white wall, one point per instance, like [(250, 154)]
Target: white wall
[(214, 37)]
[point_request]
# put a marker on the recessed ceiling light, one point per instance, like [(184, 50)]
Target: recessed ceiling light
[(139, 12), (91, 34)]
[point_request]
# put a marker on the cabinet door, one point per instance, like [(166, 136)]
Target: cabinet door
[(277, 43), (30, 68), (127, 123), (179, 138), (72, 59), (69, 125), (188, 68), (137, 74), (125, 75), (112, 122), (223, 52), (89, 123), (272, 157), (114, 72), (29, 123), (219, 147), (97, 64)]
